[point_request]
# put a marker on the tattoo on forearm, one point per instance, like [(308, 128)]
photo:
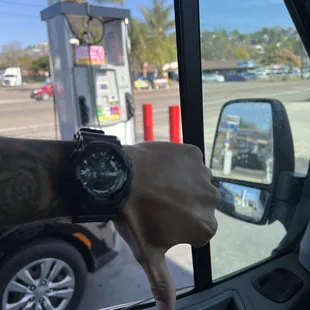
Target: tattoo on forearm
[(29, 180)]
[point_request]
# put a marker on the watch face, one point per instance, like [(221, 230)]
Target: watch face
[(102, 173)]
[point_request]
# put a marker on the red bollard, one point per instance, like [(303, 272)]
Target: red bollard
[(175, 123), (148, 122)]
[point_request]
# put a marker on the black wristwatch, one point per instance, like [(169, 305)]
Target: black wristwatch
[(100, 176)]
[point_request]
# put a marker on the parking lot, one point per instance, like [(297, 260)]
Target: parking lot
[(236, 244)]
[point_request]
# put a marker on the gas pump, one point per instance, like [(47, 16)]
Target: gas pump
[(89, 48)]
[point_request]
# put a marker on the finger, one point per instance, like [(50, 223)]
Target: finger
[(162, 285), (153, 261)]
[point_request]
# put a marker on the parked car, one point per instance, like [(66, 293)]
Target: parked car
[(44, 92), (236, 76), (262, 75), (50, 263), (212, 77), (142, 83), (250, 75), (173, 76), (158, 82), (306, 73), (248, 160)]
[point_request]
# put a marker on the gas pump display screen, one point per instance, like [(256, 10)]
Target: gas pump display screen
[(108, 103)]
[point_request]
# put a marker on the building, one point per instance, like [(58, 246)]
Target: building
[(221, 66)]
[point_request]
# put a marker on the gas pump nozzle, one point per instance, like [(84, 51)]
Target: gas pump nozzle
[(84, 111)]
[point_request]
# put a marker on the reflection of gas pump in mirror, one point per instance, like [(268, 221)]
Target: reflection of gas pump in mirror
[(90, 65), (257, 180)]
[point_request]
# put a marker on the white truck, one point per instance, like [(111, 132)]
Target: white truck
[(12, 77)]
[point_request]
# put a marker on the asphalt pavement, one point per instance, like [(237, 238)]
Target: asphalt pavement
[(236, 244)]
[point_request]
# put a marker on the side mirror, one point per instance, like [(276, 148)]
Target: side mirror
[(253, 145)]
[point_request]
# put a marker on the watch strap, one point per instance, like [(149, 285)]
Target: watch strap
[(86, 135)]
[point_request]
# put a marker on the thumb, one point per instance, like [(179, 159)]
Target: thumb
[(162, 285)]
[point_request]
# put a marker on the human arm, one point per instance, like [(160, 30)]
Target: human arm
[(30, 171), (172, 199)]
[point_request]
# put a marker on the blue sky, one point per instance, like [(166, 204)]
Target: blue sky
[(252, 193), (257, 113), (20, 19), (244, 15)]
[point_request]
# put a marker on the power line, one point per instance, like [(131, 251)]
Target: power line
[(21, 3)]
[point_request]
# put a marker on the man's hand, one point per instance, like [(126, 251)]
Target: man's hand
[(172, 202)]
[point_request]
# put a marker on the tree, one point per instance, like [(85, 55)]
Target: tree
[(172, 47), (288, 57), (41, 64), (160, 26), (240, 53), (278, 55), (25, 62), (215, 46), (245, 124), (139, 35), (11, 53), (11, 47), (158, 18)]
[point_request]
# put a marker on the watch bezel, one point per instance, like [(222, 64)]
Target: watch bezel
[(84, 196)]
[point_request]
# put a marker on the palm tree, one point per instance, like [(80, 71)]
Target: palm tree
[(158, 17), (139, 35), (160, 25)]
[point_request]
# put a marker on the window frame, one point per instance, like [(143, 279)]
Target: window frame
[(187, 22)]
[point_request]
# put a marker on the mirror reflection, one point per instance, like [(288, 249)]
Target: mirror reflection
[(245, 203), (243, 148)]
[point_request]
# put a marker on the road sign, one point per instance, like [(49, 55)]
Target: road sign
[(229, 125)]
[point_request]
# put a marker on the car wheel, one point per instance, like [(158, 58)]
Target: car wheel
[(45, 97), (45, 274)]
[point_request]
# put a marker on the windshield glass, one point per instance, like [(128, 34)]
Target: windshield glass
[(249, 49), (255, 47), (153, 58)]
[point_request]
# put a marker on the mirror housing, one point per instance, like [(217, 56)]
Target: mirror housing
[(253, 146)]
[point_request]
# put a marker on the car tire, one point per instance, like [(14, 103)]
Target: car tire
[(45, 97), (45, 251)]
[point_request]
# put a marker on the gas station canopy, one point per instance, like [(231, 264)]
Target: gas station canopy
[(67, 8)]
